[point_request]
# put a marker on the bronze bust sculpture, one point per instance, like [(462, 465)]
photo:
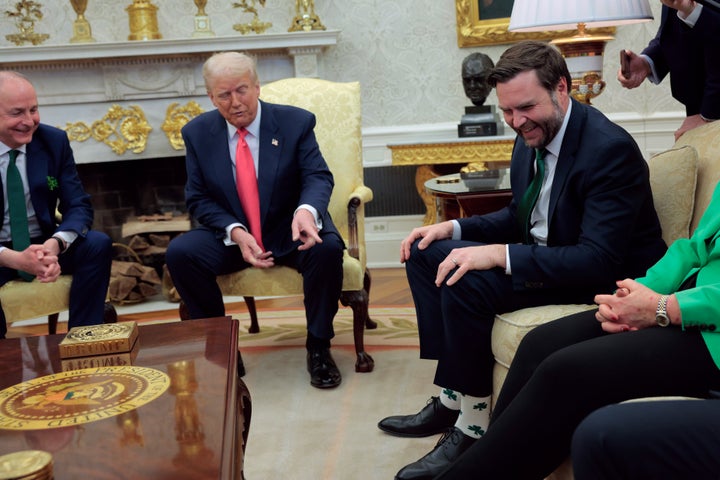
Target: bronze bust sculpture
[(475, 70)]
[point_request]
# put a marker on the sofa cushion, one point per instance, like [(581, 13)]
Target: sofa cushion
[(509, 328), (673, 177)]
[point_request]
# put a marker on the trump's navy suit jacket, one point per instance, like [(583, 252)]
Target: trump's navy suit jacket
[(602, 224), (54, 182), (291, 172), (692, 58)]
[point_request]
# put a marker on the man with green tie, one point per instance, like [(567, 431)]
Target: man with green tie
[(39, 178), (581, 216)]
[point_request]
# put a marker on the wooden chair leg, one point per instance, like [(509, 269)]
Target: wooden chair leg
[(110, 314), (52, 323), (358, 300), (254, 326), (370, 324)]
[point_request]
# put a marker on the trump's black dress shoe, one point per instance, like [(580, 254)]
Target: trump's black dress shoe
[(450, 446), (323, 371), (434, 418)]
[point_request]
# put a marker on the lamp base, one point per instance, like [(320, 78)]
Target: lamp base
[(584, 57)]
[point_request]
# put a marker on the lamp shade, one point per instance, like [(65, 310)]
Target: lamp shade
[(540, 15)]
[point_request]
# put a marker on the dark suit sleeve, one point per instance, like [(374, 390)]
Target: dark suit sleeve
[(603, 223), (204, 192), (317, 180), (55, 183), (706, 29)]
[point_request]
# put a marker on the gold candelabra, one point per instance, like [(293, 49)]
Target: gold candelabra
[(25, 14), (82, 32), (305, 17), (143, 21), (248, 6)]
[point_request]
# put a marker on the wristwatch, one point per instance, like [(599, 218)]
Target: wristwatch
[(661, 316)]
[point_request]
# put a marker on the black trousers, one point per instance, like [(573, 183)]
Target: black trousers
[(197, 257), (455, 322), (88, 260), (672, 440), (566, 369)]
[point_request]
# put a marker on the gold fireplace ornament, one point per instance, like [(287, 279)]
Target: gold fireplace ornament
[(82, 33), (305, 17), (121, 129), (248, 6), (26, 13), (143, 21), (202, 21)]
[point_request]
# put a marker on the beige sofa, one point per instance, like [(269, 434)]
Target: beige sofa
[(683, 180)]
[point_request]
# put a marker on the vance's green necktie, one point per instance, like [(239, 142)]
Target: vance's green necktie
[(527, 204), (19, 230)]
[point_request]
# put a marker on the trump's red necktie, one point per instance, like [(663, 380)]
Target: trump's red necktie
[(247, 186)]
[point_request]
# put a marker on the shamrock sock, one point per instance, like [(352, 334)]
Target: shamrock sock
[(474, 415), (450, 398)]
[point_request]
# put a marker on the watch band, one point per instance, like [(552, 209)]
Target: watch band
[(661, 316), (61, 243)]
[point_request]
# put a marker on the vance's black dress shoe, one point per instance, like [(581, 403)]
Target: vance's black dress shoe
[(323, 371), (434, 418), (451, 445)]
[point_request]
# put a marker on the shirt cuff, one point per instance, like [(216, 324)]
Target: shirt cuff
[(67, 236), (508, 268), (457, 231), (691, 19), (313, 210), (228, 239), (653, 77)]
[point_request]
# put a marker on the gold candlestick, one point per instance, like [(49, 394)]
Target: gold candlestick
[(255, 25), (305, 17), (202, 21), (143, 21), (82, 32), (25, 14)]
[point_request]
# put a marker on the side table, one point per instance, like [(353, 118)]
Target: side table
[(453, 199)]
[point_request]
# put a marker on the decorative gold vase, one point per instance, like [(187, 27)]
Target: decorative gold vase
[(82, 32), (202, 21), (143, 21)]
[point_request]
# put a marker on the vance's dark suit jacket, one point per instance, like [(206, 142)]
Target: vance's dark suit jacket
[(692, 58), (602, 222), (53, 178), (285, 180)]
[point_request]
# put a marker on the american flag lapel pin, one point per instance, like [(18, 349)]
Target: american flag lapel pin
[(274, 142)]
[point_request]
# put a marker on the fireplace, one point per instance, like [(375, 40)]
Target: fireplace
[(122, 190)]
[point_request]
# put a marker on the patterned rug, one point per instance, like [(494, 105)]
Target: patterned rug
[(397, 326)]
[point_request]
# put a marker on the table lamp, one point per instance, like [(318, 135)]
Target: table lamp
[(583, 52)]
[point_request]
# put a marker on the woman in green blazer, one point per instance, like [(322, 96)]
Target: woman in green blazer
[(658, 335)]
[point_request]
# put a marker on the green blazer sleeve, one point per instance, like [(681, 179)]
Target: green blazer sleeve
[(699, 254)]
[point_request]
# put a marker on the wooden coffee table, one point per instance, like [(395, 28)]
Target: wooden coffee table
[(196, 429)]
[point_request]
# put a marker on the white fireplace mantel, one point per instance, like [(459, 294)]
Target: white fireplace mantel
[(79, 83)]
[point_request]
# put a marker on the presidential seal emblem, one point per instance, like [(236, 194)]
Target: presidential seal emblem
[(79, 396)]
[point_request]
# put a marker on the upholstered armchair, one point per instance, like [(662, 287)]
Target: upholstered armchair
[(337, 110), (22, 300)]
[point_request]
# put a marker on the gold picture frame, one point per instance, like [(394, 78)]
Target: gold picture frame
[(474, 32)]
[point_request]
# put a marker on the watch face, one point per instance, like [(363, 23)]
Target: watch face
[(662, 320)]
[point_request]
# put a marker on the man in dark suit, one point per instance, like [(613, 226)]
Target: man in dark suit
[(291, 226), (686, 47), (593, 221), (49, 183)]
